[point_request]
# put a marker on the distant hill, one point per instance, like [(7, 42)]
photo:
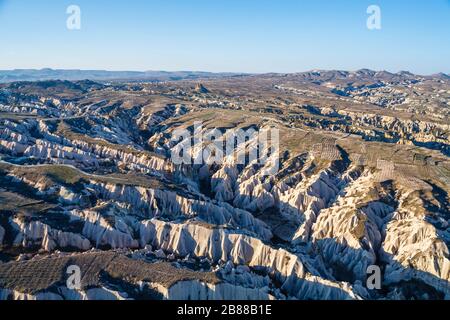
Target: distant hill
[(73, 75), (7, 76)]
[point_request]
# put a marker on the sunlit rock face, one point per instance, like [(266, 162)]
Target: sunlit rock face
[(88, 179)]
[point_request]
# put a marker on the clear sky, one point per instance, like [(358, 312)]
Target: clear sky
[(226, 35)]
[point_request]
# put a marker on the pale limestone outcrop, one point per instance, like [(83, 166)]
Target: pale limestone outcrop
[(413, 247), (6, 294), (63, 293), (102, 231), (155, 203), (196, 290), (421, 131), (47, 150), (37, 233), (351, 229), (306, 199), (219, 245)]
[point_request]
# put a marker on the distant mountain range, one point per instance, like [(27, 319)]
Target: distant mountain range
[(7, 76), (73, 75)]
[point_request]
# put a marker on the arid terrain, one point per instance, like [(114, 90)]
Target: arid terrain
[(87, 179)]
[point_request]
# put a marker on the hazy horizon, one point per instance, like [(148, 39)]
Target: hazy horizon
[(213, 72)]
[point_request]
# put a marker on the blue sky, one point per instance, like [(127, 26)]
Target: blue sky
[(226, 35)]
